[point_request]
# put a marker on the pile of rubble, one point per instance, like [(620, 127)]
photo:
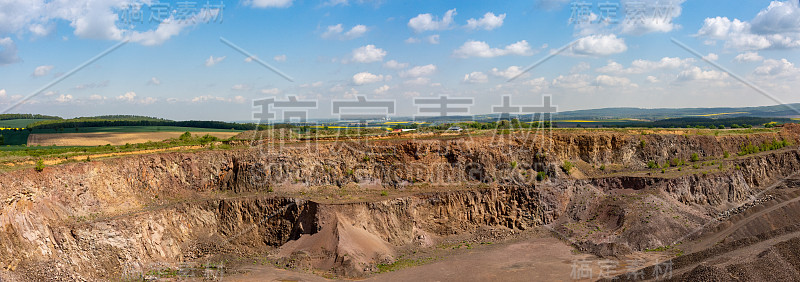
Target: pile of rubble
[(737, 210)]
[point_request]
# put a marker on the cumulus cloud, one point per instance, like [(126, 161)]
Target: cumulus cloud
[(206, 98), (64, 98), (780, 67), (748, 57), (476, 77), (483, 50), (777, 26), (395, 65), (426, 22), (268, 3), (128, 96), (489, 21), (337, 32), (42, 70), (658, 16), (8, 51), (154, 81), (572, 81), (96, 97), (599, 45), (419, 71), (695, 73), (644, 66), (508, 73), (89, 19), (211, 61), (411, 40), (711, 57), (366, 78), (368, 54), (613, 81), (382, 89), (433, 39)]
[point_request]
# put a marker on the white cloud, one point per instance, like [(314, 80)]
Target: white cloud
[(711, 57), (315, 84), (8, 53), (206, 98), (42, 70), (91, 85), (395, 65), (89, 19), (536, 84), (64, 98), (332, 31), (508, 73), (599, 45), (280, 58), (657, 16), (476, 77), (382, 89), (356, 32), (241, 87), (147, 100), (748, 57), (269, 3), (154, 81), (128, 96), (250, 59), (572, 81), (419, 71), (481, 49), (488, 22), (271, 91), (211, 61), (425, 22), (780, 67), (433, 39), (644, 66), (337, 32), (96, 97), (777, 26), (613, 81), (651, 79), (368, 54), (366, 78), (695, 73), (411, 40)]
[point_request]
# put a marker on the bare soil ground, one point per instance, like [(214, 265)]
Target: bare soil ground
[(113, 138)]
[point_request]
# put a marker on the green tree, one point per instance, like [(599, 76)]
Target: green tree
[(39, 165)]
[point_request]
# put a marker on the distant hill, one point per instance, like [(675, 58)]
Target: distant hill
[(642, 114)]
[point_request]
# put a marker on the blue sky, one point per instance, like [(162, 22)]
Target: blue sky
[(396, 50)]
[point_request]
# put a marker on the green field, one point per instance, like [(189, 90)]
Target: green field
[(17, 123), (132, 129)]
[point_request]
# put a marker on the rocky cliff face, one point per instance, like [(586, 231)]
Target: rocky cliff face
[(114, 217)]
